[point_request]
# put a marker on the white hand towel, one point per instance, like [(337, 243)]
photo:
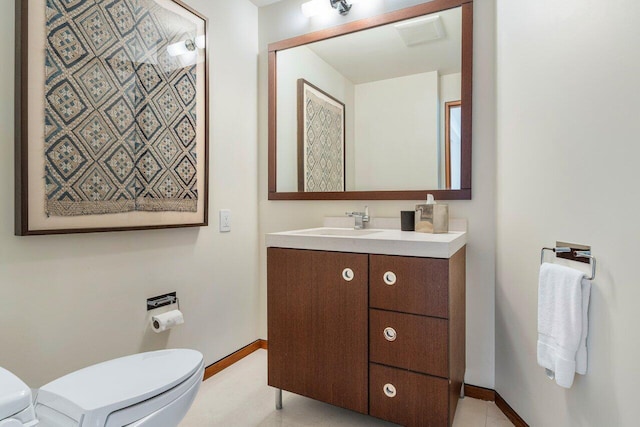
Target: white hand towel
[(563, 302)]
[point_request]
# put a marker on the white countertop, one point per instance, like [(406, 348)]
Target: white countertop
[(377, 241)]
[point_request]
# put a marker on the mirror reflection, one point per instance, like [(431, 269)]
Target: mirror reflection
[(373, 110)]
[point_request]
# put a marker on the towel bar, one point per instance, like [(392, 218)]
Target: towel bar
[(573, 252)]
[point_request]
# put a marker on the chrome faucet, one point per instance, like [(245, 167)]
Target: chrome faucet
[(360, 217)]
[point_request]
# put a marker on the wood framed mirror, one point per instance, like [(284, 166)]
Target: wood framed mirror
[(389, 140)]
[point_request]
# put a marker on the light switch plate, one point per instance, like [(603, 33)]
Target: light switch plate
[(225, 220)]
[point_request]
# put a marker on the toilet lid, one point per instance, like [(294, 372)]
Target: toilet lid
[(119, 383), (15, 395)]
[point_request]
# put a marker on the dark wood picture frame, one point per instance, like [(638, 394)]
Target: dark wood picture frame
[(302, 141), (466, 96), (24, 137)]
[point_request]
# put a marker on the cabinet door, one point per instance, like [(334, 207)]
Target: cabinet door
[(317, 325)]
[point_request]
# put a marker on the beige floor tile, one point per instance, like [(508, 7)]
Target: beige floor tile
[(472, 406), (468, 420), (240, 397), (495, 422), (494, 412)]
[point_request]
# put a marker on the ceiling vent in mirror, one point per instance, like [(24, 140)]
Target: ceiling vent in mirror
[(420, 31)]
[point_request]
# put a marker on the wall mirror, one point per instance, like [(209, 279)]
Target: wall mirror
[(378, 108)]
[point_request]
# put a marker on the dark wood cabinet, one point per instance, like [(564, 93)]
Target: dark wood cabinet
[(421, 285), (419, 343), (417, 399), (385, 337), (421, 301), (317, 320)]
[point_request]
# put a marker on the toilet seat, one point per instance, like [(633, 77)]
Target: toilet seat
[(123, 391), (15, 395), (16, 408)]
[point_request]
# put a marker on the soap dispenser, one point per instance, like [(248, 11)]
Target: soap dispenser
[(432, 217)]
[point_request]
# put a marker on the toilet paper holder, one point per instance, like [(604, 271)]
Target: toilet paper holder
[(162, 300)]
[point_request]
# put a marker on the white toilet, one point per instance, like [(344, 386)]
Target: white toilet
[(153, 389)]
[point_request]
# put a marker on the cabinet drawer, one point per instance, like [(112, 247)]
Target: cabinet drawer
[(409, 341), (411, 285), (408, 398)]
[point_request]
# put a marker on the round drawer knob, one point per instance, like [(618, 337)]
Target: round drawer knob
[(348, 274), (389, 278), (390, 334), (389, 390)]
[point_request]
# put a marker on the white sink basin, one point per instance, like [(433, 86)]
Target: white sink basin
[(347, 232), (370, 241)]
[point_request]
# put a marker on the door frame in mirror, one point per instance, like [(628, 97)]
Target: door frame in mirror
[(464, 193)]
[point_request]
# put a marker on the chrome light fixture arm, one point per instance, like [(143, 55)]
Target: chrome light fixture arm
[(343, 6)]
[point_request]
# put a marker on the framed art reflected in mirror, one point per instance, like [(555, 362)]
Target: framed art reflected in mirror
[(320, 140)]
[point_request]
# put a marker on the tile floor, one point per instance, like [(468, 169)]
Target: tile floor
[(239, 397)]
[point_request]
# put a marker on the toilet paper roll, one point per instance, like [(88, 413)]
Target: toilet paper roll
[(167, 320)]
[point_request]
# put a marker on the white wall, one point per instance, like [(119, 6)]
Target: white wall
[(70, 301), (283, 20), (302, 63), (450, 88), (388, 153), (568, 126)]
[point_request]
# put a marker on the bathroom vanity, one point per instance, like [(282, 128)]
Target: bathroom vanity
[(369, 320)]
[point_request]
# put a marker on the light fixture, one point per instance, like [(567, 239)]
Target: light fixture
[(186, 51), (187, 46), (317, 7), (181, 47), (343, 6), (201, 41)]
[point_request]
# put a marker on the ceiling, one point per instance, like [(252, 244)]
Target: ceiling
[(380, 53)]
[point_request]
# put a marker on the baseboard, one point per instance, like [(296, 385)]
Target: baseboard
[(471, 391), (225, 362), (509, 412), (481, 393)]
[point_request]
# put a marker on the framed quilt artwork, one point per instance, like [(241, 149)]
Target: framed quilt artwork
[(111, 116), (321, 139)]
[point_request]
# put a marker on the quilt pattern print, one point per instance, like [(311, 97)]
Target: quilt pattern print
[(120, 112), (324, 151)]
